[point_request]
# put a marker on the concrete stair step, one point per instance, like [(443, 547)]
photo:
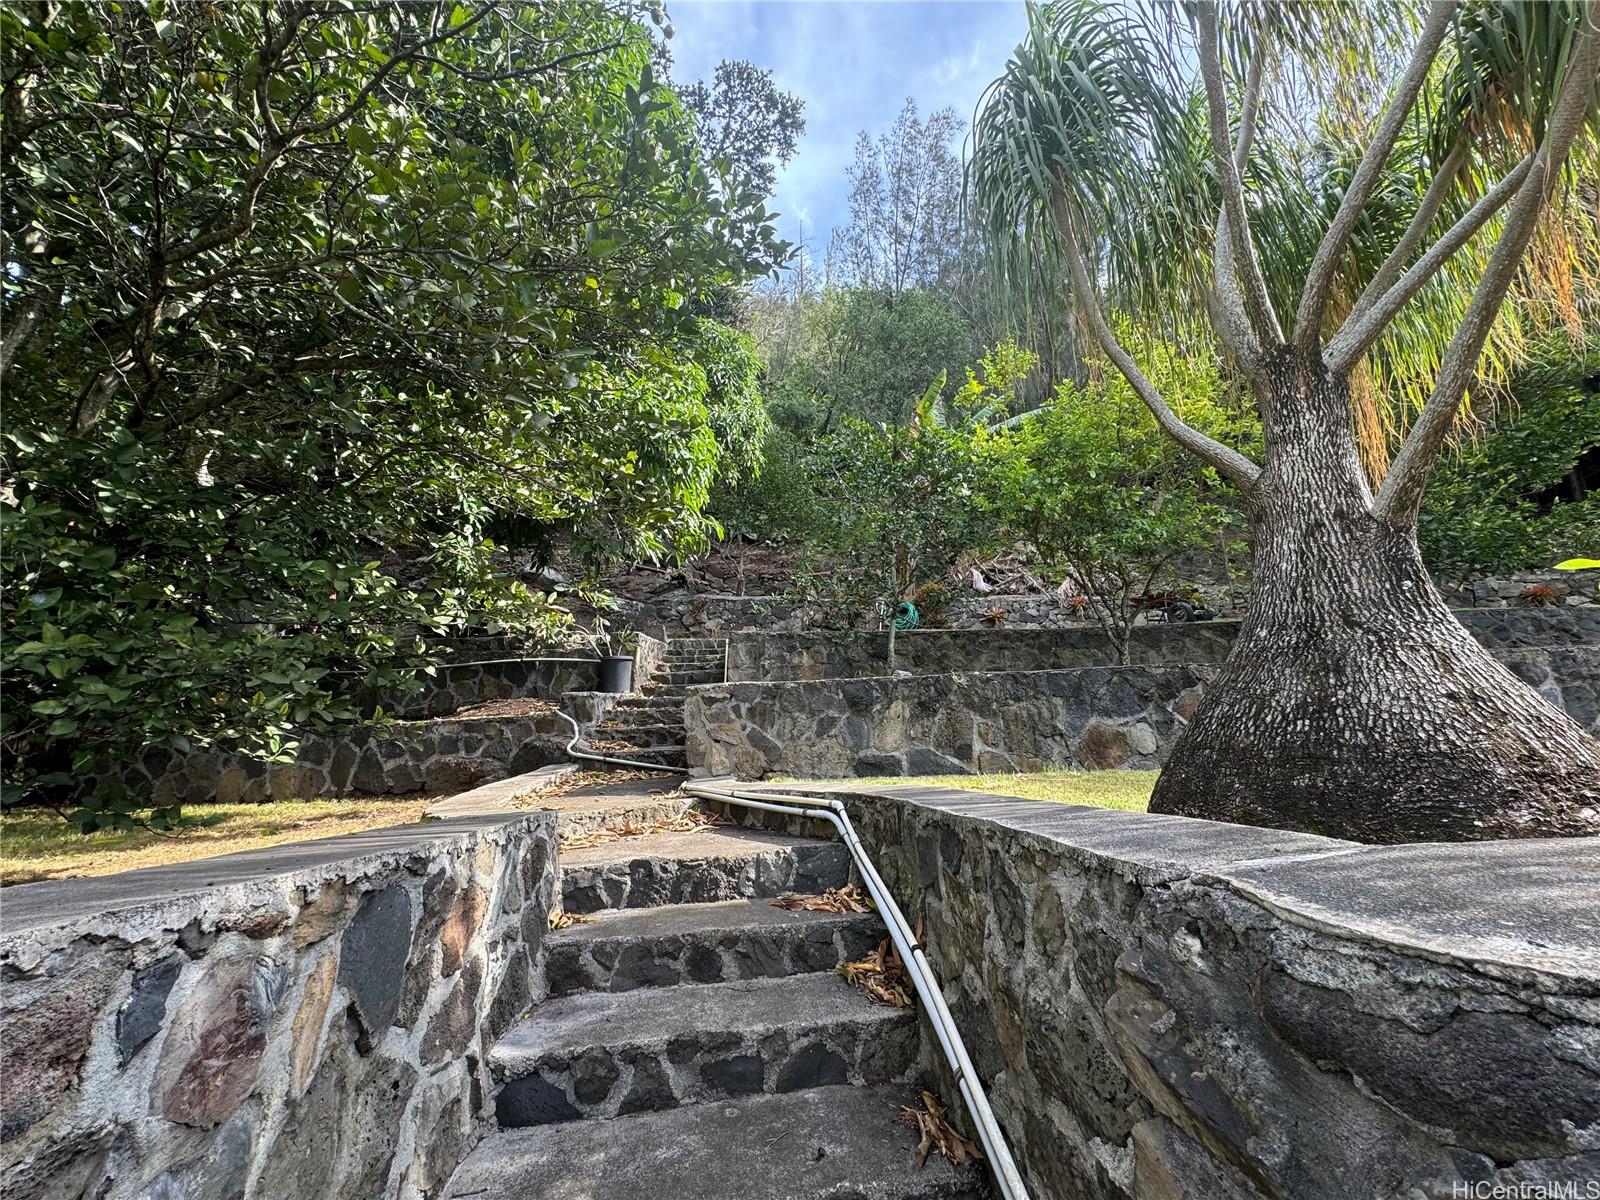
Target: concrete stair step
[(830, 1143), (688, 677), (658, 755), (603, 1054), (652, 701), (584, 814), (680, 944), (698, 867), (658, 733)]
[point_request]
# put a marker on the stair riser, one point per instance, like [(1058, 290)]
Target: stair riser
[(641, 735), (646, 714), (687, 678), (647, 882), (642, 1076), (646, 812), (622, 964)]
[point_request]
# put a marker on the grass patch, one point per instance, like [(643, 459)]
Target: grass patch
[(1128, 790), (36, 844)]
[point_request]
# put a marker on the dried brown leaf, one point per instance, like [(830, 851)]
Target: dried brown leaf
[(881, 975), (936, 1133), (560, 919), (848, 899)]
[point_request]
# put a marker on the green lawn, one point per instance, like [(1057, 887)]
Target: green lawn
[(36, 844), (1128, 790)]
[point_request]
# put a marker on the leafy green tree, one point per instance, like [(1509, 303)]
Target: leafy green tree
[(743, 117), (298, 303), (1343, 197), (905, 228), (851, 355), (1108, 503), (895, 506)]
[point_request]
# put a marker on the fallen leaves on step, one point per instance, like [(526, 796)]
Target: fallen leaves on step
[(691, 820), (847, 899), (491, 709), (881, 975), (535, 797), (561, 919), (937, 1133)]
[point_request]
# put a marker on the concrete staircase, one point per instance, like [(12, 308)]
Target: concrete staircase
[(696, 1042), (648, 725)]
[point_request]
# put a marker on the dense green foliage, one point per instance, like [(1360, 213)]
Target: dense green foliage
[(1502, 501), (299, 302), (1109, 504)]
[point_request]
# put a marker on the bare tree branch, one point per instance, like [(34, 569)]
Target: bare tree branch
[(1238, 249), (1233, 465), (1249, 108), (1401, 494), (1384, 277), (1325, 263), (1364, 326), (1228, 313)]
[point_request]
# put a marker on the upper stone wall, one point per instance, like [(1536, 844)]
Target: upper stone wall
[(691, 606), (305, 1021), (1165, 1008), (762, 656)]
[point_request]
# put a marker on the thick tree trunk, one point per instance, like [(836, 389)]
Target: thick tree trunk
[(1353, 704)]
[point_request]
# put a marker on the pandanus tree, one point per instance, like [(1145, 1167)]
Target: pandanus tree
[(1340, 199)]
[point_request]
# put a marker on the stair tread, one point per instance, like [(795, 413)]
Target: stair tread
[(657, 1015), (721, 916), (695, 845), (807, 1145)]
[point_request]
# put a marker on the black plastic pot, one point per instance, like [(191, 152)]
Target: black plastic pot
[(616, 673)]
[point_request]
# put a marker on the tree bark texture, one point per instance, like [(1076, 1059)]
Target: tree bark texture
[(1353, 704)]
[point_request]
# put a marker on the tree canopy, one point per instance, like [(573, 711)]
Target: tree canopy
[(300, 299)]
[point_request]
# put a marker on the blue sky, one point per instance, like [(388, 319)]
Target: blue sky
[(853, 64)]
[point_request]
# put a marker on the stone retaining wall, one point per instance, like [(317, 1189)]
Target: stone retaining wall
[(454, 686), (1164, 1008), (760, 656), (305, 1021), (1098, 717), (1091, 717), (441, 755)]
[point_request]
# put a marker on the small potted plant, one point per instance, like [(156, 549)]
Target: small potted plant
[(614, 649)]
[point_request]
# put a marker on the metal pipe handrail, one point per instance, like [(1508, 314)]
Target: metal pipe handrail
[(905, 940), (911, 953)]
